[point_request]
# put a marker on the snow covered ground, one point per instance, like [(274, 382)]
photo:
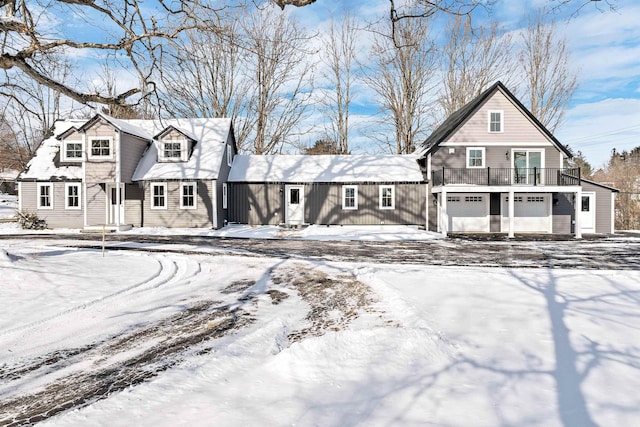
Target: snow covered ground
[(8, 205), (166, 338)]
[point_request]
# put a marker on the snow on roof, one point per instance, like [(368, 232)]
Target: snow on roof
[(132, 127), (8, 174), (205, 161), (42, 165), (325, 168)]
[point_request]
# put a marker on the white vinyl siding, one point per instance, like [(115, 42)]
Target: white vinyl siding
[(159, 196), (45, 196), (349, 197), (387, 197), (72, 196)]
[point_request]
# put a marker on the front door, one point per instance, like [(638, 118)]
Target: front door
[(588, 213), (113, 206), (294, 213)]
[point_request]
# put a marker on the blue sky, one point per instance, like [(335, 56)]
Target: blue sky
[(605, 49)]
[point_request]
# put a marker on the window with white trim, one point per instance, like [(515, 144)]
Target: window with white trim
[(188, 195), (172, 150), (100, 148), (224, 195), (72, 151), (159, 196), (229, 155), (350, 197), (72, 195), (453, 199), (496, 121), (45, 196), (475, 157), (387, 197), (535, 199)]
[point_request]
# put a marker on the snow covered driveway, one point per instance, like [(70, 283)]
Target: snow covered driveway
[(201, 334)]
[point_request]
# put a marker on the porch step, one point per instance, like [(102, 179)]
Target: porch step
[(293, 226)]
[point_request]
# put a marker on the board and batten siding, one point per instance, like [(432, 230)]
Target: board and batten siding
[(100, 170), (223, 175), (262, 204), (58, 216), (517, 126), (173, 215), (131, 149)]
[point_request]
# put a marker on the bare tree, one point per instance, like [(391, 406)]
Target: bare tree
[(623, 172), (339, 55), (472, 60), (550, 79), (29, 111), (402, 78), (281, 69), (205, 76), (132, 32)]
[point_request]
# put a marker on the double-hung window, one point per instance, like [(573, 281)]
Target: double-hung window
[(188, 193), (475, 157), (350, 197), (72, 195), (159, 196), (496, 122), (45, 196), (172, 150), (100, 147), (387, 197), (72, 151)]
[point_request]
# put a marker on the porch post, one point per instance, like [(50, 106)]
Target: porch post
[(511, 207), (444, 225), (578, 211)]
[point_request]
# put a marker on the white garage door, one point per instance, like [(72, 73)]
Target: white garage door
[(531, 213), (468, 212)]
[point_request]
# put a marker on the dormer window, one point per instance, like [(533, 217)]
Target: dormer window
[(496, 121), (173, 151), (72, 151)]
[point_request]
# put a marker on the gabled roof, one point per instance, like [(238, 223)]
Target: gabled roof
[(599, 184), (126, 126), (169, 129), (204, 163), (326, 168), (455, 120)]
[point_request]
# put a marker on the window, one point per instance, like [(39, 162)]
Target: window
[(229, 155), (45, 196), (159, 196), (528, 166), (387, 197), (224, 195), (188, 192), (453, 199), (585, 206), (72, 151), (473, 198), (535, 199), (172, 150), (100, 147), (72, 196), (495, 122), (475, 157), (349, 197)]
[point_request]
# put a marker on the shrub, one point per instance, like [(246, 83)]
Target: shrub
[(31, 221)]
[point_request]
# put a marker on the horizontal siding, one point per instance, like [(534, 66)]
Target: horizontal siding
[(495, 157), (258, 204), (133, 204), (517, 126), (174, 216), (131, 149), (58, 217), (100, 170), (96, 204)]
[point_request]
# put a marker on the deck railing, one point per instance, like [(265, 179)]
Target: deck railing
[(506, 176)]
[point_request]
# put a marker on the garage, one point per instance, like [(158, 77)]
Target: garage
[(468, 213), (531, 213)]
